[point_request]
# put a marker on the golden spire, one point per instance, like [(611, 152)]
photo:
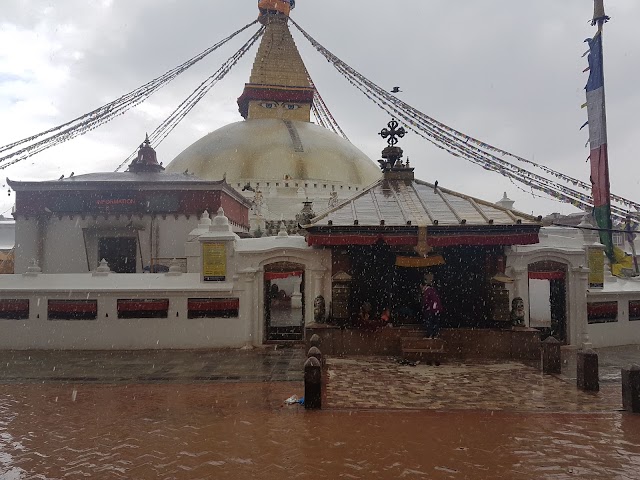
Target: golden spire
[(279, 85)]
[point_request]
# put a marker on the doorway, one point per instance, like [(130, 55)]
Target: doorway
[(284, 301), (548, 299), (119, 252)]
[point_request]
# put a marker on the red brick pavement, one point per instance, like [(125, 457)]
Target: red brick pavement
[(239, 431)]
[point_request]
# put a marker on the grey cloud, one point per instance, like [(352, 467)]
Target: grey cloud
[(506, 72)]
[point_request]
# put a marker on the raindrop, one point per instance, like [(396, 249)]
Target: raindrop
[(74, 394)]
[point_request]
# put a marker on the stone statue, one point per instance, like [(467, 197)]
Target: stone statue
[(517, 312), (333, 199), (258, 202), (319, 309)]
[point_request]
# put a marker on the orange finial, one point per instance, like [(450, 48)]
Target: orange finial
[(275, 7)]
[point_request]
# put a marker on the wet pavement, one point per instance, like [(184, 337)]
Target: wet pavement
[(269, 364), (221, 415), (242, 431), (611, 360), (374, 382)]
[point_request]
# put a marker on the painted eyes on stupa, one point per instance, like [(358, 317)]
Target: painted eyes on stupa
[(287, 106)]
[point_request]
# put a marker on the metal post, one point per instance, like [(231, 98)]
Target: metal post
[(312, 384), (587, 370), (631, 389), (551, 356)]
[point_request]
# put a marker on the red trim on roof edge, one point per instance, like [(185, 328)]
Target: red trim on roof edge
[(484, 240), (546, 275), (436, 241)]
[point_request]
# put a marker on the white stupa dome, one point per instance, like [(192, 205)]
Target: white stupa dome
[(272, 150)]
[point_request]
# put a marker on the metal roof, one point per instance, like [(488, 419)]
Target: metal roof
[(119, 177), (399, 202), (129, 180)]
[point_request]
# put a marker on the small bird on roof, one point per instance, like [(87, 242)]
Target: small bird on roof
[(61, 177), (72, 174), (396, 90)]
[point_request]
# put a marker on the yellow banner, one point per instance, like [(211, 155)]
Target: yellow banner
[(596, 268), (418, 262), (214, 262)]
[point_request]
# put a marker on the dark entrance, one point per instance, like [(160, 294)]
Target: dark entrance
[(284, 301), (119, 252), (462, 281)]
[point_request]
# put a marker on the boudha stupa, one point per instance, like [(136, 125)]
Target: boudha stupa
[(276, 157)]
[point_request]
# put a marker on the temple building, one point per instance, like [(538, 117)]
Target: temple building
[(136, 220)]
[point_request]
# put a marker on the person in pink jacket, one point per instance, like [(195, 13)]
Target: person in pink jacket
[(431, 307)]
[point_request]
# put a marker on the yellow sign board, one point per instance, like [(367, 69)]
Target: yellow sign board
[(214, 262), (419, 262), (596, 268)]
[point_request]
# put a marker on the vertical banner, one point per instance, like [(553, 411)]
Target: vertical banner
[(598, 139), (596, 267), (214, 262)]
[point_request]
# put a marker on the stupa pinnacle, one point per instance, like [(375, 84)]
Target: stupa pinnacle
[(279, 85), (276, 156)]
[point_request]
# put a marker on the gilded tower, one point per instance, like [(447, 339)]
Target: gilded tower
[(279, 85)]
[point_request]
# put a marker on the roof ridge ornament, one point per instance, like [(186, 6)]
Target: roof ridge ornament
[(393, 132), (392, 154), (147, 159)]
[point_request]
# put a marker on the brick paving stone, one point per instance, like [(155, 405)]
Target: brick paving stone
[(151, 366), (217, 430), (375, 382)]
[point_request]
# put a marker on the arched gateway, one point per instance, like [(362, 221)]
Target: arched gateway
[(284, 301)]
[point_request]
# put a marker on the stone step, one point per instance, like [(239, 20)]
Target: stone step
[(422, 343), (412, 332), (426, 356)]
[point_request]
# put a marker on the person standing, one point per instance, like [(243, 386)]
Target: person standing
[(431, 307)]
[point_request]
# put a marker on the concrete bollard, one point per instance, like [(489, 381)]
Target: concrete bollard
[(551, 356), (631, 389), (315, 352), (315, 341), (312, 384), (587, 370)]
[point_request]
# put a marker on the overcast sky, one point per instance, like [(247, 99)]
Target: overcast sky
[(507, 72)]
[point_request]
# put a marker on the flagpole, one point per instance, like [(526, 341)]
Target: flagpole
[(596, 109)]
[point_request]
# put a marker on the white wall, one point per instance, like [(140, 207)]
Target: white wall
[(246, 261), (70, 244), (7, 234), (622, 332), (26, 248)]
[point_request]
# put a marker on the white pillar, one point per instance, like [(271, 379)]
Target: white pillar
[(578, 287), (296, 296), (248, 308)]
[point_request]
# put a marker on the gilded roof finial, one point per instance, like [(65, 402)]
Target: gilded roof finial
[(275, 7)]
